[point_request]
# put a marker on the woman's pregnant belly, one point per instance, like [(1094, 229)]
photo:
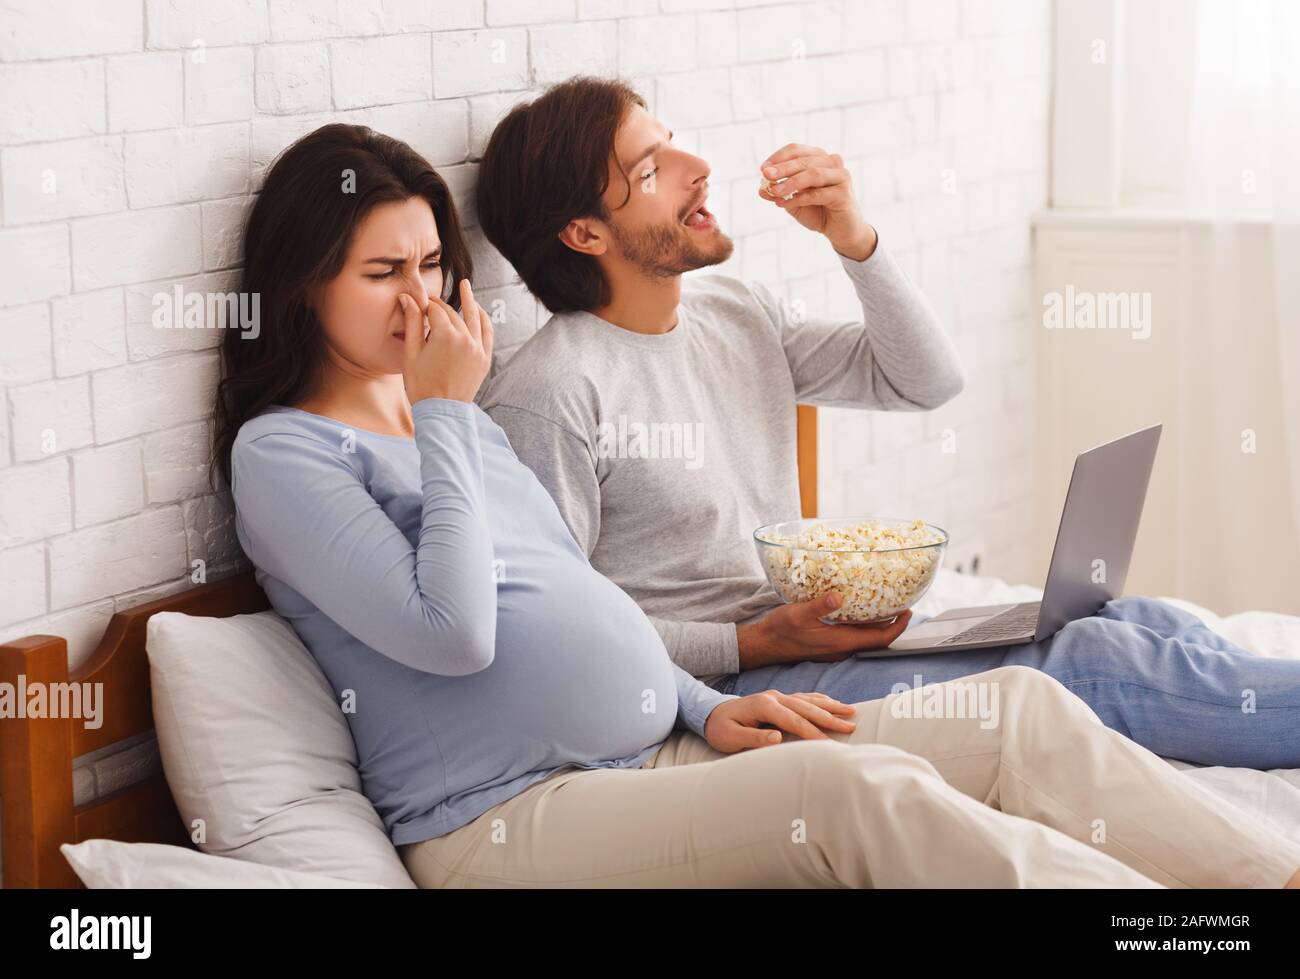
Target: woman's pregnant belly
[(580, 674)]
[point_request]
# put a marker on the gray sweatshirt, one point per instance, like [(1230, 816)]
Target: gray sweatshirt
[(664, 452)]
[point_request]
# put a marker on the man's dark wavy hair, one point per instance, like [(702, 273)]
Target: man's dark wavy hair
[(546, 164)]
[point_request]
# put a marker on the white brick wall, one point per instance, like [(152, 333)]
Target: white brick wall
[(133, 132)]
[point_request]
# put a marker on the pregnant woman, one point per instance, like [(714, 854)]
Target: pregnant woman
[(517, 719)]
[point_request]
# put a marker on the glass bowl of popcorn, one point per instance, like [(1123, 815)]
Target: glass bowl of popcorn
[(880, 566)]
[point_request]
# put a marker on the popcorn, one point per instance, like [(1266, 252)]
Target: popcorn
[(878, 569), (767, 185)]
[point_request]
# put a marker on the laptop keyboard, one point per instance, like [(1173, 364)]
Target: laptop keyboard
[(1011, 624)]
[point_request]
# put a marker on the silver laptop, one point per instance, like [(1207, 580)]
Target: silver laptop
[(1090, 561)]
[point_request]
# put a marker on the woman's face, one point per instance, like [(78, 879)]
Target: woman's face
[(395, 250)]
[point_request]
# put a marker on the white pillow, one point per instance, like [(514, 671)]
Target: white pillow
[(103, 864), (254, 745)]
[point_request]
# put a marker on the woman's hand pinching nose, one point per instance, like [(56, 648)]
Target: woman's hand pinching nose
[(453, 361)]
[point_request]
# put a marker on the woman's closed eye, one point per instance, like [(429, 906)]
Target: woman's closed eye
[(389, 274)]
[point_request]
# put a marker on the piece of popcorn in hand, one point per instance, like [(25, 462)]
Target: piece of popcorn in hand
[(767, 186)]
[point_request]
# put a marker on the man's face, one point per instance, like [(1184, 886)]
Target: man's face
[(665, 228)]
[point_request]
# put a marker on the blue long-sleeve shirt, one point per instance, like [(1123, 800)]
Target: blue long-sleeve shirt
[(471, 644)]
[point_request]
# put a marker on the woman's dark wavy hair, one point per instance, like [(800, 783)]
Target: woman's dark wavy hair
[(546, 163), (296, 238)]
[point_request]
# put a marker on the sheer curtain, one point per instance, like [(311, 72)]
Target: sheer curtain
[(1243, 175)]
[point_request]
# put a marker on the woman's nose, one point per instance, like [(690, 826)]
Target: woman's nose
[(416, 289)]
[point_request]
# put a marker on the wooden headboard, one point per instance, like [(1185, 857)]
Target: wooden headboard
[(37, 814)]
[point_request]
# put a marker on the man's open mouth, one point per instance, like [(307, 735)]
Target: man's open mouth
[(700, 219)]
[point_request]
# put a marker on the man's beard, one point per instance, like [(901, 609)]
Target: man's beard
[(663, 251)]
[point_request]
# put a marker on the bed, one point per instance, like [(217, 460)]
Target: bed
[(1273, 795), (37, 813), (37, 810)]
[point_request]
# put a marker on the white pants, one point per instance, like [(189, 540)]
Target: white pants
[(1046, 796)]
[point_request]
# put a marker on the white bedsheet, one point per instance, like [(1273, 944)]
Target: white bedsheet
[(1273, 795)]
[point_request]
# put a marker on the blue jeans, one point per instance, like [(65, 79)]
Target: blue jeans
[(1149, 670)]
